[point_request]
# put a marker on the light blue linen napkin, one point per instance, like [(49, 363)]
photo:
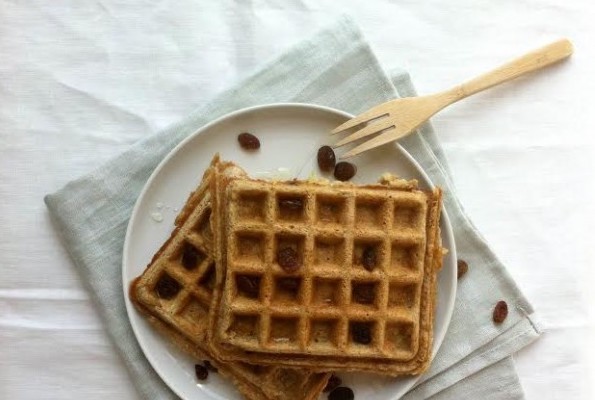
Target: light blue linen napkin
[(335, 68)]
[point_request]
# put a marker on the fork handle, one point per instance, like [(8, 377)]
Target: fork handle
[(532, 61)]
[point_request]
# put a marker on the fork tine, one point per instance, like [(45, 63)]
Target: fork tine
[(372, 113), (366, 131), (376, 141)]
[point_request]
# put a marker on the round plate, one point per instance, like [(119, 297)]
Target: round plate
[(290, 135)]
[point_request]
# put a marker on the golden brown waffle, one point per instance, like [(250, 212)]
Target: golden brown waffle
[(314, 316), (175, 294)]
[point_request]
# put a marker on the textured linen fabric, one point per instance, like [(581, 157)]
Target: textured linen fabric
[(81, 82), (92, 212), (499, 381)]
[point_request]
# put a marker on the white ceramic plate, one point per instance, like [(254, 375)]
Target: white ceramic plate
[(290, 136)]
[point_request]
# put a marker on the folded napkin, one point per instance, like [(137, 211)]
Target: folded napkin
[(335, 68)]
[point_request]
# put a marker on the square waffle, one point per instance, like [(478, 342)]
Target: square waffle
[(175, 294), (338, 310)]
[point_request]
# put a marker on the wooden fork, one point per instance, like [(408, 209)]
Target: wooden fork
[(398, 118)]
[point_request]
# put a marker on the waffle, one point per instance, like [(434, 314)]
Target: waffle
[(311, 317), (175, 293)]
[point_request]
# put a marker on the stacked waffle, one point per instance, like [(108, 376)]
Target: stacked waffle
[(281, 282)]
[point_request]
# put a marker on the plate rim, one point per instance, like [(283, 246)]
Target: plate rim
[(437, 342)]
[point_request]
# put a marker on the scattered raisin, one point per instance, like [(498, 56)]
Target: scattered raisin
[(361, 333), (291, 204), (462, 268), (289, 284), (326, 158), (369, 258), (333, 382), (191, 257), (167, 287), (248, 141), (344, 171), (210, 366), (250, 285), (288, 259), (341, 393), (500, 312), (364, 294), (202, 372)]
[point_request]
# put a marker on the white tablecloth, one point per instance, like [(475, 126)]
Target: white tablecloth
[(81, 82)]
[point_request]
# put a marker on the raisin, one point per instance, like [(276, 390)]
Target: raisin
[(202, 372), (167, 287), (288, 259), (500, 312), (326, 158), (344, 171), (462, 268), (250, 285), (364, 294), (291, 204), (248, 141), (341, 393), (369, 258), (289, 284), (361, 333), (333, 382), (210, 366), (191, 257)]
